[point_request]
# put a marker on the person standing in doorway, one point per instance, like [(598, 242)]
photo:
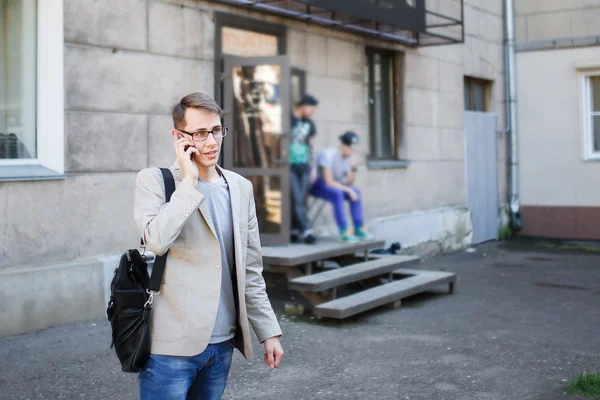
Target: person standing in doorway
[(335, 183), (302, 130), (213, 288)]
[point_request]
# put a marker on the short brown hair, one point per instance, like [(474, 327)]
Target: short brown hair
[(199, 101)]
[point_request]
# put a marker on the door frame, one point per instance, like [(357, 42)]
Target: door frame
[(248, 24)]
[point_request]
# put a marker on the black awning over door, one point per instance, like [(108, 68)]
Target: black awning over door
[(410, 22)]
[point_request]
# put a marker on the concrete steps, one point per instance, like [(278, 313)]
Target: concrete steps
[(321, 290), (417, 281)]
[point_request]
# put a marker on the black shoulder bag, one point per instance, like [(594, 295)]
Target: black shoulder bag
[(132, 291)]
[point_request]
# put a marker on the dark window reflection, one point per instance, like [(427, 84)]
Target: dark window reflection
[(257, 116), (379, 79)]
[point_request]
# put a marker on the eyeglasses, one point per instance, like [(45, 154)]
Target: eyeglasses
[(201, 136)]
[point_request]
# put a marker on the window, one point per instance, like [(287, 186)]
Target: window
[(31, 90), (298, 77), (477, 93), (591, 116), (17, 79), (379, 79)]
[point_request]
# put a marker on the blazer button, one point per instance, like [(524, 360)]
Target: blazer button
[(218, 265)]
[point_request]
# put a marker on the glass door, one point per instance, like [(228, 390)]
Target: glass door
[(256, 94)]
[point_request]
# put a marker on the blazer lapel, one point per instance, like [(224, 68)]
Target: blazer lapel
[(234, 194), (206, 215)]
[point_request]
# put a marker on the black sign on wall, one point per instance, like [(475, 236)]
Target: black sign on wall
[(396, 13)]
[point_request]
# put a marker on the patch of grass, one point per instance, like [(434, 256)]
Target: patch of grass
[(505, 233), (586, 384)]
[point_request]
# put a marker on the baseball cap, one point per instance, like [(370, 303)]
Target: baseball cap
[(349, 138), (308, 100)]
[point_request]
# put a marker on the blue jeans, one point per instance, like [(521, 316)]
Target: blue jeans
[(299, 184), (171, 378), (337, 198)]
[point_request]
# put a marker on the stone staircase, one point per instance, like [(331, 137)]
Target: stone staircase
[(398, 282)]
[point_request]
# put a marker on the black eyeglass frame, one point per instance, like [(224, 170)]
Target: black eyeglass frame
[(224, 132)]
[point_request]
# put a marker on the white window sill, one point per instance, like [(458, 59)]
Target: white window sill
[(387, 164), (28, 173)]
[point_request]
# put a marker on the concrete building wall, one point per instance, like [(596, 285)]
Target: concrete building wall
[(558, 199), (434, 104), (432, 136), (127, 62), (552, 19), (558, 193), (550, 105)]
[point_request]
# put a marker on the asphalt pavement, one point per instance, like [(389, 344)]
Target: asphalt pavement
[(525, 317)]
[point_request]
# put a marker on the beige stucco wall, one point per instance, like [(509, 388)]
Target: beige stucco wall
[(553, 170), (551, 19), (127, 62)]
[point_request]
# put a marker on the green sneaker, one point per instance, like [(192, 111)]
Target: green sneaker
[(362, 235), (349, 239)]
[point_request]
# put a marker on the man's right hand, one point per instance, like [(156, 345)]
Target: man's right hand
[(352, 194), (184, 158)]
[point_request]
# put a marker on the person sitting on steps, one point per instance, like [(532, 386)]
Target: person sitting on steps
[(336, 174)]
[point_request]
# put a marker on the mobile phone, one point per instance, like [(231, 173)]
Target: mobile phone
[(191, 154)]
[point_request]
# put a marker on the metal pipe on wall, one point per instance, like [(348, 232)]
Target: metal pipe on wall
[(516, 220)]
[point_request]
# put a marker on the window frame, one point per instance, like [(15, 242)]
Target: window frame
[(586, 116), (50, 158), (487, 88), (391, 96)]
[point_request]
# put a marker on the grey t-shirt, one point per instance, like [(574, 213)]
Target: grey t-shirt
[(216, 196), (332, 159)]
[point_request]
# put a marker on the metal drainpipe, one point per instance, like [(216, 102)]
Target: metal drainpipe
[(516, 220)]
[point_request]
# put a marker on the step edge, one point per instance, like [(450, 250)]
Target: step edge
[(328, 303), (298, 284)]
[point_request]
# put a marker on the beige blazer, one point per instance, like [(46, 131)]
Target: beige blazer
[(184, 313)]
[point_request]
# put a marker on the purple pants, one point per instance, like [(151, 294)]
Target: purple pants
[(337, 198)]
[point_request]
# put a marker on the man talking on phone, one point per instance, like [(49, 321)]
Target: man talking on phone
[(212, 289)]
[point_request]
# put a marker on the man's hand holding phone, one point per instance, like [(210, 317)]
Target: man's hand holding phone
[(184, 148)]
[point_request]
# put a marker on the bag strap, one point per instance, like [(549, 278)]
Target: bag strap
[(158, 269)]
